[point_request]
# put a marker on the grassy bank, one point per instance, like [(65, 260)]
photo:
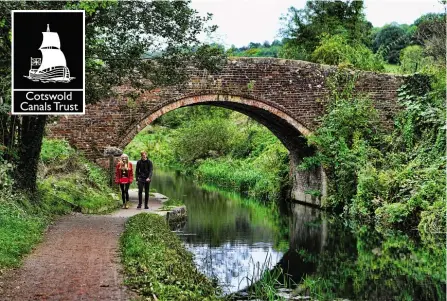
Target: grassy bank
[(66, 174), (67, 182), (158, 266)]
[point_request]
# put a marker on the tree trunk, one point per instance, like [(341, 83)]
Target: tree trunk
[(30, 145)]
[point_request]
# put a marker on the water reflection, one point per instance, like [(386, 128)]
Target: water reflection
[(229, 239), (329, 256)]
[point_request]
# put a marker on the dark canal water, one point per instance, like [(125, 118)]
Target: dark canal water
[(233, 239)]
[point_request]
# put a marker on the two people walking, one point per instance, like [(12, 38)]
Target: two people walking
[(124, 177)]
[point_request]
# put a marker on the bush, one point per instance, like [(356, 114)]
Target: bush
[(393, 214), (433, 221), (55, 150), (336, 50), (412, 59), (345, 142), (6, 181)]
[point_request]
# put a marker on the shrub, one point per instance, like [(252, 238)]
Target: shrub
[(413, 59), (336, 50), (55, 150), (345, 142), (203, 139), (6, 181), (392, 214)]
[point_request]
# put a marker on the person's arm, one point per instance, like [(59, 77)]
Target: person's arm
[(151, 167), (137, 171), (117, 174)]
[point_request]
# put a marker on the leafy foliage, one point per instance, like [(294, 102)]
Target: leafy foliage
[(390, 40), (335, 50), (6, 180), (72, 179), (304, 28), (203, 138), (54, 150), (431, 33), (398, 178), (413, 59), (256, 50), (343, 140), (67, 175)]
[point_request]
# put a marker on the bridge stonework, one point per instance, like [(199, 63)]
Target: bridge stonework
[(286, 96)]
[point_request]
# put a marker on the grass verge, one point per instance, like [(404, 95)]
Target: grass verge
[(67, 182), (157, 265)]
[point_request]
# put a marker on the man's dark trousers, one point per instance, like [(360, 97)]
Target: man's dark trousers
[(140, 193)]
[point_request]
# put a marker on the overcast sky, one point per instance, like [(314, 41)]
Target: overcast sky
[(243, 21)]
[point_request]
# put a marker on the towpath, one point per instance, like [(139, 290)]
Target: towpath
[(77, 260)]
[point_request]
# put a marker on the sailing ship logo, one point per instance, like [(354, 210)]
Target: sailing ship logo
[(52, 67)]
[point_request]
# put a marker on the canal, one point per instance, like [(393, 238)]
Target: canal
[(235, 239)]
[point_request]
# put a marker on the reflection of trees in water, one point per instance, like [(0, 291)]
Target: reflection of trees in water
[(351, 261), (232, 263)]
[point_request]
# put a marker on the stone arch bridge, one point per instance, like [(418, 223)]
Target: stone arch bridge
[(286, 96)]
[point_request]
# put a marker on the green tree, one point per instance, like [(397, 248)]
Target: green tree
[(303, 28), (167, 28), (205, 138), (431, 33), (430, 17), (389, 41), (256, 50)]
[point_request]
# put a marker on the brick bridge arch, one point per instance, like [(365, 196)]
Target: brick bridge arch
[(286, 96)]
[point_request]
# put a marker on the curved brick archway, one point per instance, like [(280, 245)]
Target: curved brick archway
[(286, 96), (251, 107), (288, 130)]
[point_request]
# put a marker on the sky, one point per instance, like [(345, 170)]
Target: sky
[(243, 21)]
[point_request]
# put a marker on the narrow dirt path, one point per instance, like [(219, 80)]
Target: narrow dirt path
[(77, 260)]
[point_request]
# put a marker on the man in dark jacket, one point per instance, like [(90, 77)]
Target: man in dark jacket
[(144, 176)]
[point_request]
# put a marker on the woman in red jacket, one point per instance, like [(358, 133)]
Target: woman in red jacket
[(123, 177)]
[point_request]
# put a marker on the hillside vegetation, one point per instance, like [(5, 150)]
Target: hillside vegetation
[(67, 182)]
